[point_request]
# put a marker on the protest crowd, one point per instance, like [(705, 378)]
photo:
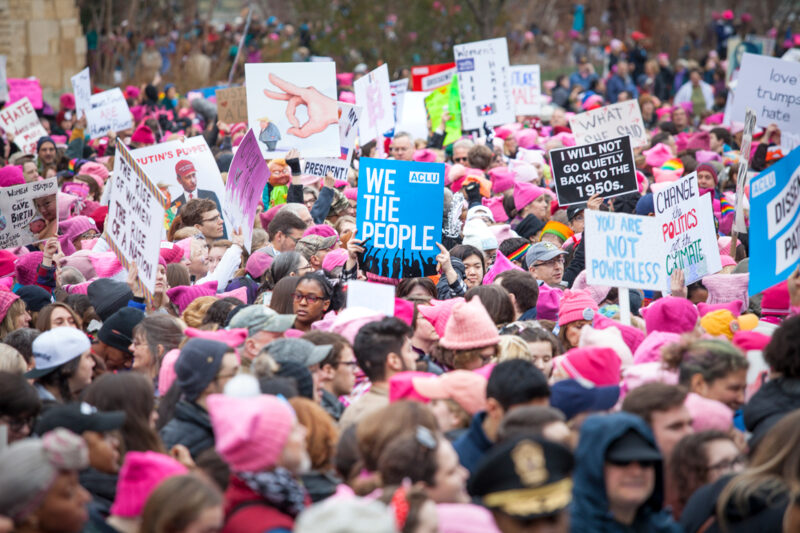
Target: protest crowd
[(320, 303)]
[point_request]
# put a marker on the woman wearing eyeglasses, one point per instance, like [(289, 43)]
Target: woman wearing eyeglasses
[(312, 298)]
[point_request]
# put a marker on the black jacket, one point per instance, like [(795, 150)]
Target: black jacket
[(191, 427), (775, 399)]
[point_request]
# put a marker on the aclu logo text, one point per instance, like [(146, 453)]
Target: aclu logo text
[(424, 177)]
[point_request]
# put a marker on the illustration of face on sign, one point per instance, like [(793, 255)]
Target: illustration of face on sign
[(293, 105)]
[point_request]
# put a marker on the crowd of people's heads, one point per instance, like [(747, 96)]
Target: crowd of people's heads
[(502, 392)]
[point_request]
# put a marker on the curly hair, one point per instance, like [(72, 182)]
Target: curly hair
[(711, 358), (782, 354), (195, 312)]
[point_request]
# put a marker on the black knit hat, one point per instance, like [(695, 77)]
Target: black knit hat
[(117, 331)]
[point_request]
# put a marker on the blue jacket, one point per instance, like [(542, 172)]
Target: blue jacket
[(473, 444), (616, 85), (589, 510)]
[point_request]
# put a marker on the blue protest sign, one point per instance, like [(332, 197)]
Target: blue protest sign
[(400, 216), (624, 251), (774, 224)]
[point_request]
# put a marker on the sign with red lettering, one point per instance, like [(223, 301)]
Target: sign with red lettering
[(686, 229), (526, 89), (20, 119), (109, 112)]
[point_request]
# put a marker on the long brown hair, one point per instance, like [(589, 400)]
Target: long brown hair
[(43, 320)]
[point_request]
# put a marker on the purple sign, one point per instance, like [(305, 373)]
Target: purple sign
[(247, 178)]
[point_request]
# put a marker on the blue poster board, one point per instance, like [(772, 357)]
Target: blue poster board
[(774, 223), (399, 208)]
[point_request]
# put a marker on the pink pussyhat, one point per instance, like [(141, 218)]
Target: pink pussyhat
[(671, 314), (437, 312), (140, 474), (495, 205), (334, 258), (549, 299), (250, 433), (657, 155), (649, 350), (183, 295), (525, 193), (106, 264), (502, 179), (708, 414), (401, 387), (240, 294), (501, 264), (232, 337), (598, 365), (469, 327)]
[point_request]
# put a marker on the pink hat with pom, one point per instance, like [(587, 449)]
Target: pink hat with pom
[(639, 374), (657, 155), (183, 295), (27, 267), (495, 205), (595, 364), (632, 336), (501, 264), (576, 305), (469, 327), (525, 193), (675, 315), (250, 433), (548, 303), (708, 414), (140, 474), (437, 312), (649, 350), (232, 337)]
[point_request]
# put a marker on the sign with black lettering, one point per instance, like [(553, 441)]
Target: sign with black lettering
[(605, 168)]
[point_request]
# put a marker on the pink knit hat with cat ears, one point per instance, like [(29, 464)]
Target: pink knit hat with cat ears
[(183, 295), (469, 327)]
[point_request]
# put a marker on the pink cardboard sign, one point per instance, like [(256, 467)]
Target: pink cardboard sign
[(21, 87)]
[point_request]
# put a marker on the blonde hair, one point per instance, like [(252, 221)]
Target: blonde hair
[(9, 322), (11, 360), (512, 347), (195, 312)]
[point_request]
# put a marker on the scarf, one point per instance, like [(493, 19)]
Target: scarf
[(452, 228), (279, 488)]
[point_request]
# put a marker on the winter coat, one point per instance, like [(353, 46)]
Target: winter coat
[(775, 399), (189, 426)]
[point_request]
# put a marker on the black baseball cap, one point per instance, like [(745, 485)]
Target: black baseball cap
[(79, 417), (630, 447)]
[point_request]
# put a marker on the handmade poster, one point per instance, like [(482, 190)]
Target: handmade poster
[(374, 95), (109, 112), (418, 73), (526, 89), (3, 79), (184, 170), (605, 168), (247, 177), (739, 223), (601, 124), (82, 90), (483, 83), (28, 213), (398, 89), (20, 119), (293, 105), (377, 297), (135, 214), (19, 88), (686, 229), (624, 251), (349, 116), (771, 87), (736, 50), (440, 79), (445, 100), (414, 119), (232, 105), (774, 223), (399, 217)]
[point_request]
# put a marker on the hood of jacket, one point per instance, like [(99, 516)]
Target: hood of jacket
[(773, 400)]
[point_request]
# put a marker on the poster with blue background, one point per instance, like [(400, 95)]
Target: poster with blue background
[(774, 223), (399, 217)]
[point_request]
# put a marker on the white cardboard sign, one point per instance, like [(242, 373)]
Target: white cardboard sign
[(615, 120), (526, 89), (374, 95), (20, 118), (109, 112), (484, 83), (82, 89)]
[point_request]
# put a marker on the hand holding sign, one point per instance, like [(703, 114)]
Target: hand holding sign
[(322, 110)]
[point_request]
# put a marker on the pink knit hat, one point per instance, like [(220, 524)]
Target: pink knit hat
[(597, 292), (525, 172), (723, 288), (257, 264), (656, 155), (71, 229), (437, 312), (649, 350), (495, 205), (502, 132), (465, 518), (334, 258), (525, 193), (96, 170), (323, 230), (143, 135), (400, 387), (186, 246), (11, 175), (595, 364), (6, 299), (166, 374), (527, 138), (501, 264), (240, 294), (404, 310), (503, 232), (469, 327), (466, 388), (250, 433), (607, 338), (425, 156), (576, 305), (140, 474), (348, 321), (676, 315), (708, 414), (548, 303), (632, 336), (232, 337), (27, 266), (735, 307), (80, 261), (267, 216), (105, 264), (183, 295), (78, 288), (502, 179), (640, 374), (776, 303)]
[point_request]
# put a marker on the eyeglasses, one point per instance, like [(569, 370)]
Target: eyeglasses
[(294, 239), (16, 424), (729, 464), (551, 263), (215, 219), (310, 298), (351, 364), (459, 160), (91, 234)]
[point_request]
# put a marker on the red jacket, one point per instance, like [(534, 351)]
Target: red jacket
[(247, 512)]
